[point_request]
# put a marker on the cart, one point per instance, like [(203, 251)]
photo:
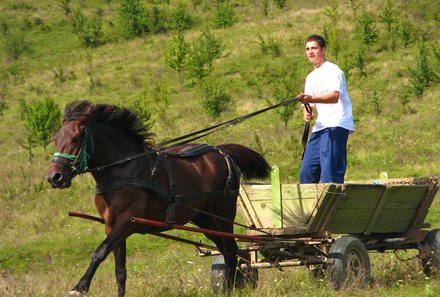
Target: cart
[(329, 228)]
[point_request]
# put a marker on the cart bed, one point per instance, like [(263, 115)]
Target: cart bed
[(364, 207)]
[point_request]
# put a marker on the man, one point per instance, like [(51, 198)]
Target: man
[(325, 158)]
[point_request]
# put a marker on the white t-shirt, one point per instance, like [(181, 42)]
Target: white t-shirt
[(327, 78)]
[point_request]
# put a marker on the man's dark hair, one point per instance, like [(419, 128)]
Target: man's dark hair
[(319, 39)]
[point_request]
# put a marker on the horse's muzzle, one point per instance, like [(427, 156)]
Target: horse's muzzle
[(58, 180)]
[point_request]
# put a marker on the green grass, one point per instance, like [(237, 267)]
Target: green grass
[(44, 253)]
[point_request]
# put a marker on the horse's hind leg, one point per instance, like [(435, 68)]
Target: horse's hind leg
[(120, 267), (227, 246)]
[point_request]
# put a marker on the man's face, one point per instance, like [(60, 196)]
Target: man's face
[(315, 53)]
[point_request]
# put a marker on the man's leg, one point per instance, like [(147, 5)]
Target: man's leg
[(310, 168), (333, 155)]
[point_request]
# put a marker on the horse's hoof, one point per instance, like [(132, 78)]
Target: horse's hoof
[(75, 294)]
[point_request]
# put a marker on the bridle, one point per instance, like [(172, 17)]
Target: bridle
[(77, 163)]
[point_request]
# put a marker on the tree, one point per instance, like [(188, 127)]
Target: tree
[(180, 19), (41, 120), (203, 53), (283, 91), (214, 98), (224, 15), (133, 17), (176, 55), (367, 28), (14, 43), (388, 15), (422, 76)]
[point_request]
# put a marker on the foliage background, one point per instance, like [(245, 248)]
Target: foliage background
[(46, 55)]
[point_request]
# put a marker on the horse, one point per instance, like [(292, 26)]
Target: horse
[(195, 183)]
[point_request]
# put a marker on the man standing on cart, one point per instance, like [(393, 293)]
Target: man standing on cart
[(325, 157)]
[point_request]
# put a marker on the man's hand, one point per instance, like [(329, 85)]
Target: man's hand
[(308, 113)]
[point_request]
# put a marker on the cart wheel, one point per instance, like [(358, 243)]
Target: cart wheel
[(349, 262), (218, 274), (317, 271), (431, 264), (248, 276)]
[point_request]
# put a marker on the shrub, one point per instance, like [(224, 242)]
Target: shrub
[(41, 120), (89, 31), (224, 15), (367, 28), (422, 76), (65, 6), (142, 110), (15, 44), (406, 33), (269, 46), (280, 3), (214, 99), (180, 19), (176, 55), (133, 17), (204, 52), (282, 91)]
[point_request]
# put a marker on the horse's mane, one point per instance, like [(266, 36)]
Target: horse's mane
[(117, 117)]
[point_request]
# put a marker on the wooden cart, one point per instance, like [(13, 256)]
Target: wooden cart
[(331, 227)]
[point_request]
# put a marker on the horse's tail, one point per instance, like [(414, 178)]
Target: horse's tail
[(251, 163)]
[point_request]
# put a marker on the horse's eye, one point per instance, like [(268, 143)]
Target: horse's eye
[(76, 141)]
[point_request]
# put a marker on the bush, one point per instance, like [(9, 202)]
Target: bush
[(204, 52), (41, 120), (180, 19), (224, 15), (176, 55), (133, 17), (14, 44), (282, 91), (269, 46), (367, 29), (422, 76), (214, 99), (89, 31)]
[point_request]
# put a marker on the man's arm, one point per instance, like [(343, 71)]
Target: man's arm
[(331, 97)]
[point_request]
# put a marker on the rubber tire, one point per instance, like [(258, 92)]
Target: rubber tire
[(218, 273), (431, 266), (349, 263)]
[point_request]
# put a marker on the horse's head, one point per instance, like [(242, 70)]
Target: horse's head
[(72, 144)]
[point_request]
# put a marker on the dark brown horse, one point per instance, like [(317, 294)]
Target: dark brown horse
[(134, 179)]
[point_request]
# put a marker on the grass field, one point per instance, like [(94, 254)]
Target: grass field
[(43, 252)]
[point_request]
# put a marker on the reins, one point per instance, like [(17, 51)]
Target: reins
[(305, 137), (215, 128)]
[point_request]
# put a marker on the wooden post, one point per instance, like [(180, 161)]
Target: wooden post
[(277, 203)]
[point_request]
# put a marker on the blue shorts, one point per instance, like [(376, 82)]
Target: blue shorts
[(325, 159)]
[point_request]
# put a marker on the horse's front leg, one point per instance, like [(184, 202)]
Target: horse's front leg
[(113, 240), (120, 267)]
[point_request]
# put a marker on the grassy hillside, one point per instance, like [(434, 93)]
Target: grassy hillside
[(43, 253)]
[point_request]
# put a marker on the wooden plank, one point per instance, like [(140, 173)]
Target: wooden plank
[(277, 206), (404, 196), (394, 220), (349, 221), (425, 204), (327, 201), (251, 215), (399, 207), (354, 211), (299, 202)]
